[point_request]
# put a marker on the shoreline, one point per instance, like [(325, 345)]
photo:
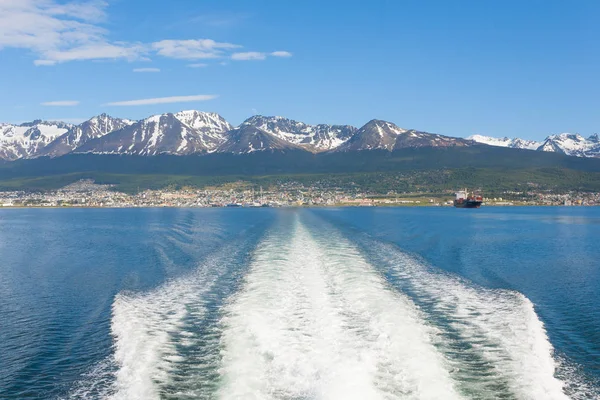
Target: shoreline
[(292, 206)]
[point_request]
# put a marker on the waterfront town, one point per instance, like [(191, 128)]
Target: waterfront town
[(86, 193)]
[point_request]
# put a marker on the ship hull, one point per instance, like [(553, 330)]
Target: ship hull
[(467, 204)]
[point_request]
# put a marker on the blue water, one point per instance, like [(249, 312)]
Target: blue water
[(495, 303)]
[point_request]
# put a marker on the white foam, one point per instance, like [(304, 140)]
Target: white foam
[(315, 321), (500, 325), (151, 328), (95, 384), (143, 327)]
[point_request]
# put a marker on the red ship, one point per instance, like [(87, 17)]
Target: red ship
[(466, 200)]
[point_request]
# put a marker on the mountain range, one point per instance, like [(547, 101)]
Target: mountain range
[(195, 132), (571, 144)]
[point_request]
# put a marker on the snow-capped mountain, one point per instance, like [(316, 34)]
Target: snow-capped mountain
[(571, 144), (29, 139), (377, 134), (314, 138), (248, 139), (210, 126), (413, 138), (515, 143), (78, 135), (159, 134), (196, 132)]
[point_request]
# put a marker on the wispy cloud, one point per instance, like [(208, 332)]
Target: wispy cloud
[(92, 51), (192, 49), (248, 55), (163, 100), (198, 65), (61, 103), (146, 70), (256, 55), (59, 31), (281, 54)]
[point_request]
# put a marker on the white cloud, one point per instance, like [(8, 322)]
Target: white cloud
[(281, 54), (146, 70), (248, 55), (96, 51), (163, 100), (256, 55), (59, 32), (192, 49), (61, 103), (199, 65)]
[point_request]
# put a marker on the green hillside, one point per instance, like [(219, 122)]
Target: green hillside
[(379, 171)]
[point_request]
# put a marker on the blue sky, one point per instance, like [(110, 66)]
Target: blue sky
[(511, 68)]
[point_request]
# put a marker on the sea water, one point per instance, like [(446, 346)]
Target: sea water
[(348, 303)]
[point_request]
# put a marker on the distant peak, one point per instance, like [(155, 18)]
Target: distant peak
[(32, 123), (267, 117), (194, 112), (156, 117), (102, 116), (46, 123), (381, 122), (385, 124), (565, 136), (376, 122)]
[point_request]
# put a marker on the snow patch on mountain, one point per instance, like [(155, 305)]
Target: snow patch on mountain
[(314, 138), (515, 143), (187, 132), (210, 127), (383, 135), (571, 144), (249, 139), (27, 140), (374, 135), (78, 135)]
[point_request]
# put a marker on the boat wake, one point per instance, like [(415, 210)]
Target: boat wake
[(309, 313), (165, 345), (494, 340), (315, 320)]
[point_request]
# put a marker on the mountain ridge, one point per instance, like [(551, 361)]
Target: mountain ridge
[(571, 144), (196, 132)]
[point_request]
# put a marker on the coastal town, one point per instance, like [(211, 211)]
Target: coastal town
[(86, 193)]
